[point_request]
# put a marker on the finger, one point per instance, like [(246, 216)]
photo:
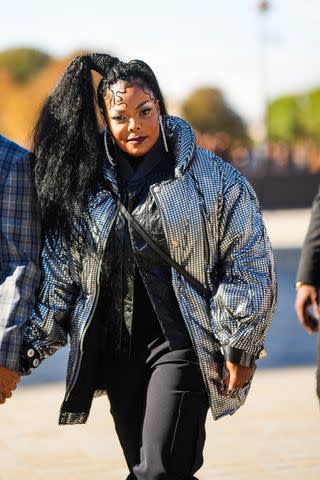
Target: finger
[(234, 392), (2, 398), (226, 378), (7, 394), (17, 378), (242, 377), (247, 380), (311, 324), (13, 387), (317, 311), (233, 386), (315, 306), (14, 383), (301, 306), (305, 317), (233, 381)]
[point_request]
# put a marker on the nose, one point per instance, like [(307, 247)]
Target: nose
[(133, 124)]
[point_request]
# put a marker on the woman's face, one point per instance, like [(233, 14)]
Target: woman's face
[(132, 117)]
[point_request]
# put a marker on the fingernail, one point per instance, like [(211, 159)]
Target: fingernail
[(234, 392)]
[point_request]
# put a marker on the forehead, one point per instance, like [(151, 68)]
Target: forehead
[(126, 96)]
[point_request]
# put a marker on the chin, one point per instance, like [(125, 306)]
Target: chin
[(138, 150)]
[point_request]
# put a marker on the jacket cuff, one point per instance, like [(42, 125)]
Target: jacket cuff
[(308, 281), (29, 358), (238, 356), (308, 271)]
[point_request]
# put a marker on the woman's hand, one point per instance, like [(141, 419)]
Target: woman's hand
[(236, 377)]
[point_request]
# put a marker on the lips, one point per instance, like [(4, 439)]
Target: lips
[(137, 140)]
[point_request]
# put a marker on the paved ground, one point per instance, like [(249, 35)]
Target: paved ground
[(275, 436), (287, 228)]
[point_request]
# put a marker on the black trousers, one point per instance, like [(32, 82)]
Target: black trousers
[(159, 405)]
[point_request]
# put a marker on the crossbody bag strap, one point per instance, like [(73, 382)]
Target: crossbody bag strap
[(201, 288)]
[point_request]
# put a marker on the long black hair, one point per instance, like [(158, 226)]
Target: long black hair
[(68, 147)]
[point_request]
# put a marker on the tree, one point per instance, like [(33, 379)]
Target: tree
[(23, 63), (310, 114), (283, 119), (207, 110)]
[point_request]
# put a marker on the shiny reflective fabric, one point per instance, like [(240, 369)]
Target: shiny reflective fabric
[(214, 228), (137, 302)]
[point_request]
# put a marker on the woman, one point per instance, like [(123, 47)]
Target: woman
[(164, 343)]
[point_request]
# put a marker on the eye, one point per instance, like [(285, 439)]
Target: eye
[(118, 118), (145, 111)]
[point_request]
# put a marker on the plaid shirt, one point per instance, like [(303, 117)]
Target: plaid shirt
[(19, 248)]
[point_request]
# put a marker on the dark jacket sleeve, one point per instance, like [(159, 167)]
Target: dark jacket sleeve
[(309, 265)]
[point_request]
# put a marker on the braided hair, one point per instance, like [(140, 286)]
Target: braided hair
[(68, 147)]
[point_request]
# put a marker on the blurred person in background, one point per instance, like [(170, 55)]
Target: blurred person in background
[(155, 262), (19, 252), (308, 280)]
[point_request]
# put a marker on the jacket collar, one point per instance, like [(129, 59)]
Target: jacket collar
[(180, 137), (144, 164)]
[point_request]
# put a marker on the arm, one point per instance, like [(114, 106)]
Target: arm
[(309, 265), (244, 301), (309, 273), (19, 251), (47, 329)]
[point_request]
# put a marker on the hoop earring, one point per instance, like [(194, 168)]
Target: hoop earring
[(109, 156), (163, 134)]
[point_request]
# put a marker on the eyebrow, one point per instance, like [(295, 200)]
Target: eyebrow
[(123, 111)]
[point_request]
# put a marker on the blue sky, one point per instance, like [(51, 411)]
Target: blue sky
[(188, 43)]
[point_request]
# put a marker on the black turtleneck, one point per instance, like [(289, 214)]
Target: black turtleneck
[(139, 301), (135, 172), (132, 161)]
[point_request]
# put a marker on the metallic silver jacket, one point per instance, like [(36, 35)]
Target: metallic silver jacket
[(213, 227)]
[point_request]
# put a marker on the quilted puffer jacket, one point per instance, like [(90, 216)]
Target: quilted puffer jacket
[(213, 228)]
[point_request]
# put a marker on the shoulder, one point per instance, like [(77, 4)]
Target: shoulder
[(205, 159), (12, 155), (215, 173)]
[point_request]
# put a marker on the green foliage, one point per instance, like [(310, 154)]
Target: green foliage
[(207, 111), (295, 117), (283, 120), (310, 114), (22, 63)]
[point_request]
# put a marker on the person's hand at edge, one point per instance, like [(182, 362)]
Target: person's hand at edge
[(307, 296), (8, 382)]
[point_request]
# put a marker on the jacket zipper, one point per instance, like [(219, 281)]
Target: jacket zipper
[(205, 239), (75, 378), (133, 297)]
